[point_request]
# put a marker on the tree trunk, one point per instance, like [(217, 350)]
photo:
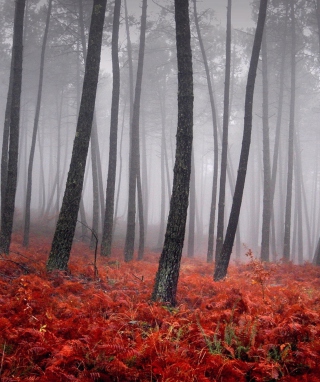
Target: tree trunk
[(192, 209), (215, 141), (267, 203), (287, 222), (316, 257), (35, 131), (134, 163), (112, 166), (167, 276), (225, 127), (65, 229), (221, 266), (276, 150), (7, 211)]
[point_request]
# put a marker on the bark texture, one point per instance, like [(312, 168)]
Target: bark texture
[(222, 264), (167, 276), (111, 180), (65, 229), (7, 211), (134, 165)]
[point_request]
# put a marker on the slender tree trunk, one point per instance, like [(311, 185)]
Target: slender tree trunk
[(224, 153), (134, 165), (192, 209), (221, 266), (316, 257), (162, 170), (298, 202), (5, 141), (35, 131), (287, 223), (7, 211), (120, 171), (167, 276), (267, 203), (141, 217), (275, 159), (65, 229), (111, 180), (215, 142)]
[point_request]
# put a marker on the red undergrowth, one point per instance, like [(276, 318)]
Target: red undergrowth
[(260, 324)]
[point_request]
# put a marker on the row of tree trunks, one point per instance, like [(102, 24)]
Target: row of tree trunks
[(134, 162), (14, 97), (222, 262)]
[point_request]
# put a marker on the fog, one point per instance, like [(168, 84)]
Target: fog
[(62, 86)]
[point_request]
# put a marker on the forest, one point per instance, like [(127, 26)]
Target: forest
[(159, 207)]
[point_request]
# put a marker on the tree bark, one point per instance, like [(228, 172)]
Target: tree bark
[(167, 276), (192, 209), (225, 127), (113, 140), (267, 203), (35, 131), (65, 229), (222, 264), (7, 211), (287, 222), (134, 165), (215, 142)]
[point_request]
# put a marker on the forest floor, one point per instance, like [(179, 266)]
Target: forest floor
[(260, 324)]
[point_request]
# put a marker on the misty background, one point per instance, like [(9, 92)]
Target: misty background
[(63, 75)]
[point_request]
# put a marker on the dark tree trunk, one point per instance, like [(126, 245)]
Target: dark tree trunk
[(97, 187), (215, 142), (5, 141), (65, 229), (267, 203), (287, 222), (167, 276), (224, 152), (7, 211), (221, 266), (113, 141), (35, 131), (141, 217), (134, 163)]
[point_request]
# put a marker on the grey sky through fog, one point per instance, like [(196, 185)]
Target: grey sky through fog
[(241, 16)]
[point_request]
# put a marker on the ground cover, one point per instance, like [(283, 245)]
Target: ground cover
[(260, 324)]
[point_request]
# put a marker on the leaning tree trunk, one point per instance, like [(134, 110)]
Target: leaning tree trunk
[(225, 127), (167, 276), (134, 165), (222, 264), (7, 211), (66, 225), (95, 152), (215, 141), (26, 233), (111, 180), (287, 222)]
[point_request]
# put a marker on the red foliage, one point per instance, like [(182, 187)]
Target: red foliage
[(260, 324)]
